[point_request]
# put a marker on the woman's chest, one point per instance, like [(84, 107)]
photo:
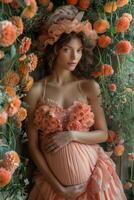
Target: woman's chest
[(65, 96)]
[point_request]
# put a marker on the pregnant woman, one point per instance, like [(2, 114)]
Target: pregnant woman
[(66, 121)]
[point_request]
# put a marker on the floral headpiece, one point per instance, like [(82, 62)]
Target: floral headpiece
[(65, 19)]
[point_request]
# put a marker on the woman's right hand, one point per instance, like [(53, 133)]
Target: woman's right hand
[(74, 191)]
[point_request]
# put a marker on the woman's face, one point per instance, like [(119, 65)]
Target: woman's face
[(69, 55)]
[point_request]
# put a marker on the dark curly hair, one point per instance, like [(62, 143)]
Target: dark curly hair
[(50, 54)]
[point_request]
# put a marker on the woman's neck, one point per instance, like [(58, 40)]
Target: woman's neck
[(61, 77)]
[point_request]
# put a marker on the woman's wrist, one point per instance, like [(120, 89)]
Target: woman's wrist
[(73, 136)]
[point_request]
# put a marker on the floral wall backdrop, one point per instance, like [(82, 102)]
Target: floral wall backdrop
[(21, 63)]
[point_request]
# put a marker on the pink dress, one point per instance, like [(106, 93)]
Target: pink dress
[(75, 163)]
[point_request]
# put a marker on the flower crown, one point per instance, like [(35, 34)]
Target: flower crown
[(57, 26)]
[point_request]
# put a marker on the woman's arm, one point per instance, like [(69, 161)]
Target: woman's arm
[(32, 133), (100, 128)]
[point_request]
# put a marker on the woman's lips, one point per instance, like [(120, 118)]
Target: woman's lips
[(72, 63)]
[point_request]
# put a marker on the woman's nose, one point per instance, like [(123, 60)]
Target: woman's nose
[(73, 55)]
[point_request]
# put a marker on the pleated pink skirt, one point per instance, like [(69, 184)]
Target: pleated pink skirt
[(78, 163)]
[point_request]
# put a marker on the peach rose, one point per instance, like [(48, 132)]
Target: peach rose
[(25, 45)]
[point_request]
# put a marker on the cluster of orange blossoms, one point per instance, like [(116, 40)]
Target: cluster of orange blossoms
[(83, 4), (8, 166)]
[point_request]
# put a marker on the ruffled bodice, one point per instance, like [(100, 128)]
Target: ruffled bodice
[(50, 117)]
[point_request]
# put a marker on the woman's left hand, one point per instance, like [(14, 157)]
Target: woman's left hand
[(56, 141)]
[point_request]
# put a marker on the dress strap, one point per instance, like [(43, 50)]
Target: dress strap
[(44, 85)]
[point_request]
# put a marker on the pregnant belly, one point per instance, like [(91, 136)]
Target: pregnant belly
[(73, 164)]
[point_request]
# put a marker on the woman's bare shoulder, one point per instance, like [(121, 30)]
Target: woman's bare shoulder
[(34, 94), (90, 86)]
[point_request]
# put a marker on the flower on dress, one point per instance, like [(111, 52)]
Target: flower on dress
[(80, 117), (47, 119)]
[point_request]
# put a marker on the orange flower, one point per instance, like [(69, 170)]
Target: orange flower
[(96, 74), (7, 33), (32, 62), (112, 87), (106, 70), (3, 117), (72, 2), (25, 45), (104, 41), (74, 125), (17, 21), (119, 150), (14, 4), (111, 136), (5, 177), (23, 69), (1, 54), (11, 79), (129, 16), (84, 4), (123, 47), (122, 24), (11, 161), (121, 3), (27, 83), (110, 7), (50, 6), (30, 9), (13, 106), (127, 185), (101, 26), (6, 1), (10, 91), (21, 114)]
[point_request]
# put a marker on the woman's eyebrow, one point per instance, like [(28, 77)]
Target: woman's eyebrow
[(66, 45)]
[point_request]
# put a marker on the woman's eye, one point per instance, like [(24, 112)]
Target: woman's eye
[(79, 50), (65, 49)]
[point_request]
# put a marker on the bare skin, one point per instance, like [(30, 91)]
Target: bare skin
[(61, 85)]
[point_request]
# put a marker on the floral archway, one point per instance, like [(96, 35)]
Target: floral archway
[(21, 64)]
